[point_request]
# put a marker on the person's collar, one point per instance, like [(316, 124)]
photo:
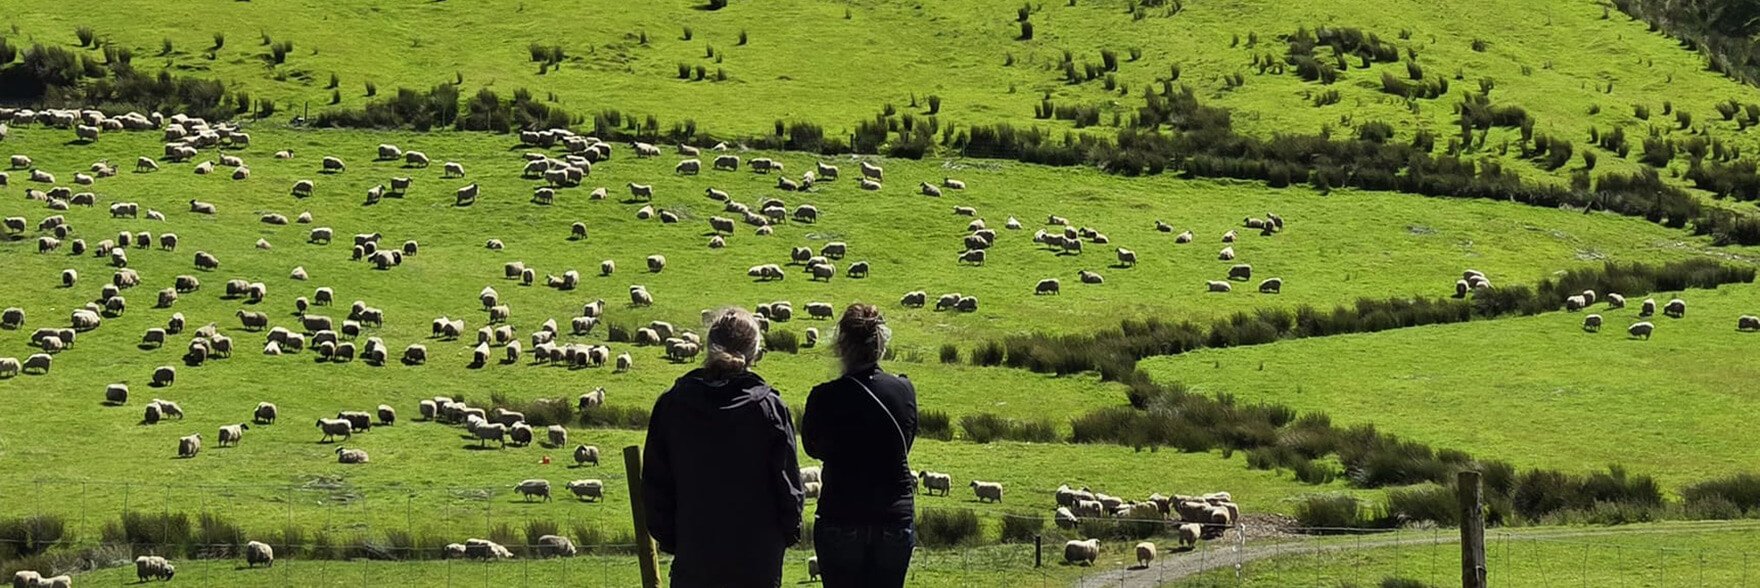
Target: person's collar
[(872, 366)]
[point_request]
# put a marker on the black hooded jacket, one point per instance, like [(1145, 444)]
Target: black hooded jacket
[(721, 480), (867, 471)]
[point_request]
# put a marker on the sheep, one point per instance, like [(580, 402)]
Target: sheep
[(265, 413), (1748, 323), (641, 191), (352, 456), (231, 434), (153, 567), (258, 552), (1047, 286), (333, 427), (206, 261), (656, 263), (164, 376), (26, 579), (1189, 534), (931, 190), (639, 296), (188, 446), (584, 454), (1641, 329), (933, 481), (466, 196), (1081, 552), (987, 491), (1675, 308), (588, 490), (688, 167), (1592, 323), (1271, 286), (1145, 554), (1575, 303), (1240, 271), (357, 421), (13, 318), (1647, 308), (1218, 286), (726, 163), (530, 488), (1227, 254)]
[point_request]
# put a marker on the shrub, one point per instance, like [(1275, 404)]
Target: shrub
[(87, 38), (219, 42), (536, 528), (619, 333), (1021, 528), (1641, 111), (28, 536), (216, 537), (1026, 31), (166, 49), (742, 37), (983, 428), (949, 353), (1479, 45), (278, 52), (687, 34), (334, 82), (336, 96), (717, 4), (947, 527), (934, 104), (1741, 491), (540, 412), (1330, 513), (934, 424), (780, 340), (616, 417), (372, 89), (1430, 503)]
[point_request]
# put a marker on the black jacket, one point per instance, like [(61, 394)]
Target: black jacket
[(721, 481), (867, 472)]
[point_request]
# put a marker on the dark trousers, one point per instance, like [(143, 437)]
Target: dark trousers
[(863, 556)]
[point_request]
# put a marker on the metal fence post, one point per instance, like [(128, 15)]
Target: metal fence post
[(645, 553)]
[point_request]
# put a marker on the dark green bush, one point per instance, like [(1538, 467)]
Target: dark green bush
[(949, 353), (28, 536), (783, 341), (934, 424), (1021, 528), (1331, 513), (1431, 503), (947, 527), (1741, 491), (87, 38)]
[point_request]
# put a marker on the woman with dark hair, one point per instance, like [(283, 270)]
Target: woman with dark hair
[(720, 477), (862, 426)]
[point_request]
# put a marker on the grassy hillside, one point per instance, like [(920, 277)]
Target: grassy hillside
[(1536, 390), (1572, 65)]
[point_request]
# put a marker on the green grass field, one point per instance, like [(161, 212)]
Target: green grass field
[(1538, 391), (1535, 391)]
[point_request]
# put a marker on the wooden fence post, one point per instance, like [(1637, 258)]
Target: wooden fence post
[(645, 555), (1472, 530)]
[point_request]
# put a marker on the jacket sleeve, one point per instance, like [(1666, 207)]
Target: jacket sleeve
[(659, 486), (791, 495), (815, 437)]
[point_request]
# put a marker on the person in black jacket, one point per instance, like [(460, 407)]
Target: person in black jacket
[(862, 426), (720, 476)]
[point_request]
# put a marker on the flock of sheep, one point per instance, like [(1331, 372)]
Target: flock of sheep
[(1676, 308)]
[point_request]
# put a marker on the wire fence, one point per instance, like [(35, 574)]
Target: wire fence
[(328, 533)]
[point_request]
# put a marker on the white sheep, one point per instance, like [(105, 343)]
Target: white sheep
[(584, 454), (933, 481), (1081, 552), (589, 490), (1592, 323), (987, 491), (1641, 329), (530, 488), (257, 552)]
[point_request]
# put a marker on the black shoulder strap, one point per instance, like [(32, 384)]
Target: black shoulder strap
[(902, 443)]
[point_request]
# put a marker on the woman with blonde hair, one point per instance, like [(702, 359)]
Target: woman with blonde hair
[(720, 476), (862, 426)]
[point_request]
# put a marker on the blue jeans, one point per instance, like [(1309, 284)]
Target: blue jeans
[(863, 555)]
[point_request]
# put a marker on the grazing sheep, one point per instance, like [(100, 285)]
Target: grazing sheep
[(1675, 308), (1614, 300), (987, 491), (1218, 286), (164, 376), (265, 413), (688, 167), (530, 488), (1642, 329), (588, 490), (1592, 323), (468, 195), (1047, 286), (1189, 534), (1575, 303), (188, 446), (153, 567), (352, 456), (257, 552), (870, 185), (584, 454), (1145, 554), (116, 394), (641, 191), (333, 427), (1081, 552), (1240, 271), (13, 318), (930, 190), (1271, 286), (1748, 323), (933, 481), (1648, 308), (231, 434)]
